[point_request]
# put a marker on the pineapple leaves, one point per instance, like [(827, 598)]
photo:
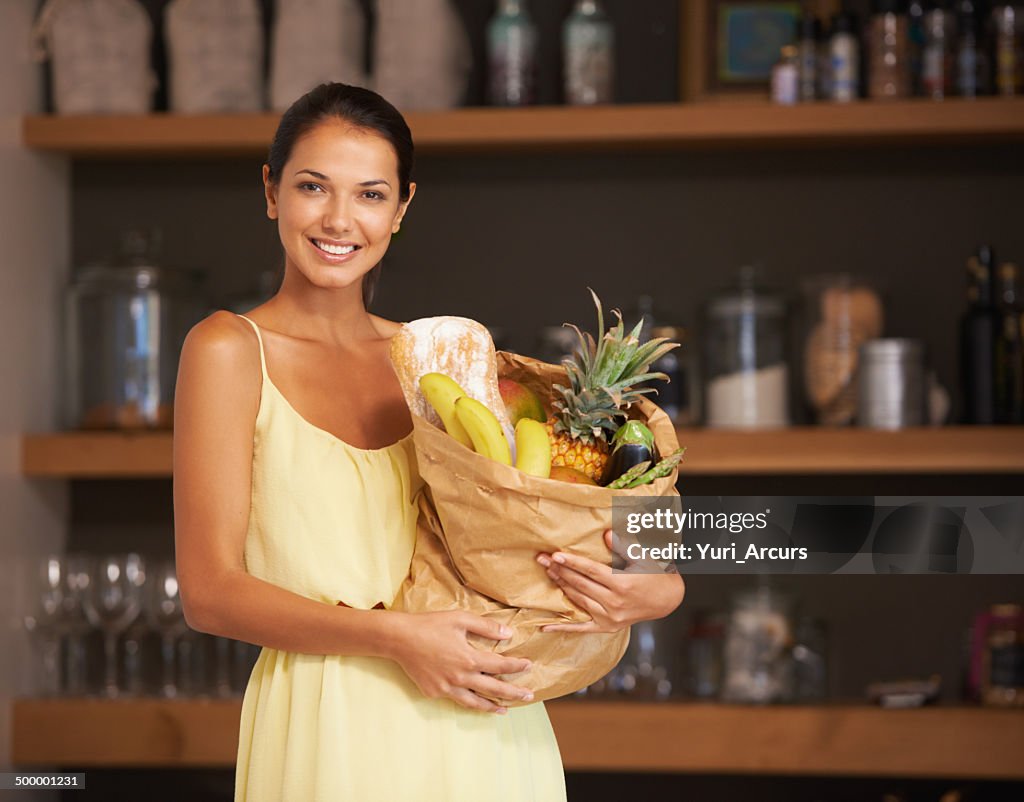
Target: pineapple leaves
[(603, 374)]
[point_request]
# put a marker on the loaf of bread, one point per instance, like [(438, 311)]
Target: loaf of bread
[(456, 346)]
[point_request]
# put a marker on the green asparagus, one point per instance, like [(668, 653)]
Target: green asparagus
[(663, 468), (630, 475)]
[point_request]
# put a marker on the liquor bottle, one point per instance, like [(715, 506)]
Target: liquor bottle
[(888, 45), (807, 57), (915, 33), (937, 58), (844, 49), (786, 77), (978, 328), (971, 55), (1009, 351), (588, 42), (1009, 49), (511, 55)]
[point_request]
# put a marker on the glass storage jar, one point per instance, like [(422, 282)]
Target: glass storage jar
[(124, 331), (841, 313), (746, 362), (758, 644)]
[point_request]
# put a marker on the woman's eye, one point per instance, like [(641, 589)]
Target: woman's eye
[(310, 187), (373, 195)]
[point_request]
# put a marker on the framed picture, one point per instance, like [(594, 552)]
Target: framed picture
[(729, 46)]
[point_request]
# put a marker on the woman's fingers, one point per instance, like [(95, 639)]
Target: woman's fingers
[(485, 627), (599, 572), (495, 688), (473, 701), (491, 663), (588, 587), (583, 601)]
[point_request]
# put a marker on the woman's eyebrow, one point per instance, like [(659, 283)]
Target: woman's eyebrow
[(371, 183)]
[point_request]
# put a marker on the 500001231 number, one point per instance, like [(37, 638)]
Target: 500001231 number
[(11, 780)]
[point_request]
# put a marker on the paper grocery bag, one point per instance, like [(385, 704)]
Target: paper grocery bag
[(482, 524)]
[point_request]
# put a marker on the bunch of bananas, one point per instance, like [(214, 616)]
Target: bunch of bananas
[(475, 426)]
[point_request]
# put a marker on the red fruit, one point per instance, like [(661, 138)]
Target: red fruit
[(520, 401)]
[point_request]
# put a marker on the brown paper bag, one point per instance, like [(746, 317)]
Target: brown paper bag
[(481, 526)]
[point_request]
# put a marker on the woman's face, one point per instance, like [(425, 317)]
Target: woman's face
[(337, 203)]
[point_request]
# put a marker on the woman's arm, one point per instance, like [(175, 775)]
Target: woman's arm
[(614, 600), (216, 402)]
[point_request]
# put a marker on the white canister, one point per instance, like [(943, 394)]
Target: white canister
[(101, 55), (215, 55), (421, 54), (315, 42)]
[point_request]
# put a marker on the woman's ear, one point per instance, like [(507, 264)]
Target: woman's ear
[(403, 207), (270, 191)]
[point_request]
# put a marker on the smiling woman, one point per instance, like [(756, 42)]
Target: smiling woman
[(295, 493), (346, 191)]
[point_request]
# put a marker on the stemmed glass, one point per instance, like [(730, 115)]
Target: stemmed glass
[(112, 603), (134, 634), (75, 624), (44, 623), (165, 614)]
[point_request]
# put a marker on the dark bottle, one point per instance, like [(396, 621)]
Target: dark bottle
[(511, 52), (1009, 356), (937, 59), (807, 48), (972, 68), (915, 33), (978, 329)]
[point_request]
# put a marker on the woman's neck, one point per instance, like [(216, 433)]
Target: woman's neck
[(335, 316)]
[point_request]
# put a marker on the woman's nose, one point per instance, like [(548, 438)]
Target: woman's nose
[(338, 215)]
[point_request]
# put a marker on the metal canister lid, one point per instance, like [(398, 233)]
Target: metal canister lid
[(891, 349)]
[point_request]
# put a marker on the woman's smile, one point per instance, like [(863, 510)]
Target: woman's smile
[(335, 253)]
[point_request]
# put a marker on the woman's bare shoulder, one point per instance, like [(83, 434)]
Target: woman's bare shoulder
[(223, 341)]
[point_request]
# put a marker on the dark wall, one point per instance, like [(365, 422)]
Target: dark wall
[(514, 240)]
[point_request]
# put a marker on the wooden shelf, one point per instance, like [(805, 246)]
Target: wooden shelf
[(671, 125), (813, 449), (801, 450), (97, 455), (840, 740)]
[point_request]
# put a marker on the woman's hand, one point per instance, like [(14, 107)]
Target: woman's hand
[(433, 650), (615, 600)]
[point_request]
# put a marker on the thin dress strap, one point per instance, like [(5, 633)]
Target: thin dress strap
[(259, 337)]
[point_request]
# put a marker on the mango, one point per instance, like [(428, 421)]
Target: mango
[(520, 401), (563, 473)]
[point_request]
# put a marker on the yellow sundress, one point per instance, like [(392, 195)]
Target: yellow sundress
[(334, 522)]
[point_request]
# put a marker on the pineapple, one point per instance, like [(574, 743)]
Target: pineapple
[(602, 379)]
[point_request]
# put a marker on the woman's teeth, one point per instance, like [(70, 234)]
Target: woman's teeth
[(337, 250)]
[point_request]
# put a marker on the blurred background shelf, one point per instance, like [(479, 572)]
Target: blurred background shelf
[(843, 740), (671, 125), (800, 450)]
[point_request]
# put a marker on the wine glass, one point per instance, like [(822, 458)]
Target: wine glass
[(112, 603), (134, 634), (44, 623), (166, 616), (75, 624)]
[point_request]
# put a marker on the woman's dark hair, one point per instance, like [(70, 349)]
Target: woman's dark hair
[(359, 107)]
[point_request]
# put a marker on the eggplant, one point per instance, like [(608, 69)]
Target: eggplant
[(632, 444)]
